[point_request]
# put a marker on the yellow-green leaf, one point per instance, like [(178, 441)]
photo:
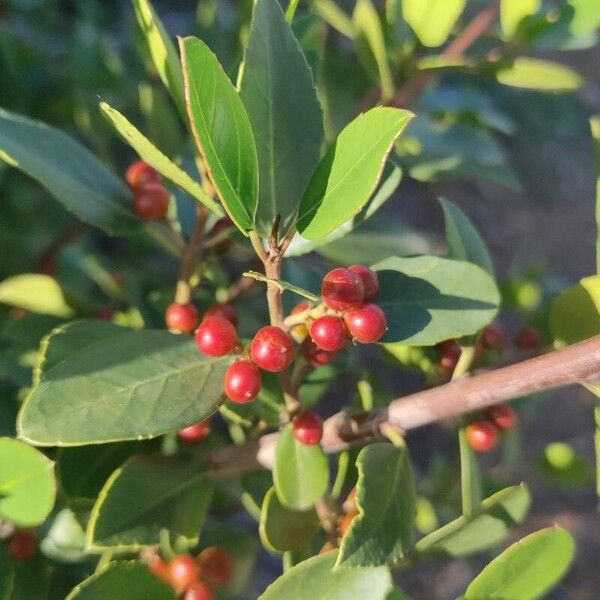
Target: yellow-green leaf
[(36, 293)]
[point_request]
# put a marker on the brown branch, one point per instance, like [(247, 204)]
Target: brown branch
[(579, 363)]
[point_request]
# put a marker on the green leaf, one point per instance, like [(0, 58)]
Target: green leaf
[(146, 495), (560, 465), (542, 75), (370, 41), (527, 569), (470, 474), (279, 95), (162, 51), (314, 579), (512, 12), (70, 172), (586, 19), (153, 156), (83, 471), (334, 16), (432, 20), (484, 528), (7, 573), (65, 540), (464, 241), (135, 385), (428, 299), (348, 174), (575, 312), (282, 529), (385, 498), (222, 131), (300, 473), (36, 293), (27, 485), (122, 580)]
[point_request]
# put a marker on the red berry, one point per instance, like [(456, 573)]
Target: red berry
[(22, 545), (482, 436), (216, 336), (342, 289), (346, 522), (529, 338), (215, 563), (224, 310), (314, 355), (366, 324), (503, 416), (160, 568), (181, 317), (448, 354), (183, 570), (329, 333), (242, 381), (104, 314), (308, 428), (369, 279), (139, 174), (272, 349), (151, 202), (493, 337), (195, 433), (198, 591)]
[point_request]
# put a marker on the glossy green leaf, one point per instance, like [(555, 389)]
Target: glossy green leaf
[(428, 299), (300, 473), (146, 495), (464, 241), (36, 293), (542, 75), (314, 579), (69, 171), (161, 50), (348, 174), (484, 528), (27, 485), (278, 92), (153, 156), (282, 529), (137, 385), (586, 19), (382, 531), (222, 131), (83, 471), (575, 312), (369, 39), (512, 12), (123, 580), (527, 569), (432, 20)]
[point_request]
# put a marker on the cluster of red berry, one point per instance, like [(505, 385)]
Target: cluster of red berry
[(482, 435), (150, 196), (193, 578), (22, 544)]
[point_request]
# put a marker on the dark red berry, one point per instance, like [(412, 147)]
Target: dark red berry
[(220, 229), (448, 354), (308, 428), (198, 591), (183, 570), (482, 436), (342, 289), (314, 355), (22, 545), (493, 337), (104, 314), (215, 563), (329, 333), (195, 433), (224, 310), (369, 279), (503, 416), (242, 381), (272, 349), (160, 568), (181, 317), (139, 174), (366, 324), (216, 336), (151, 202), (529, 338)]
